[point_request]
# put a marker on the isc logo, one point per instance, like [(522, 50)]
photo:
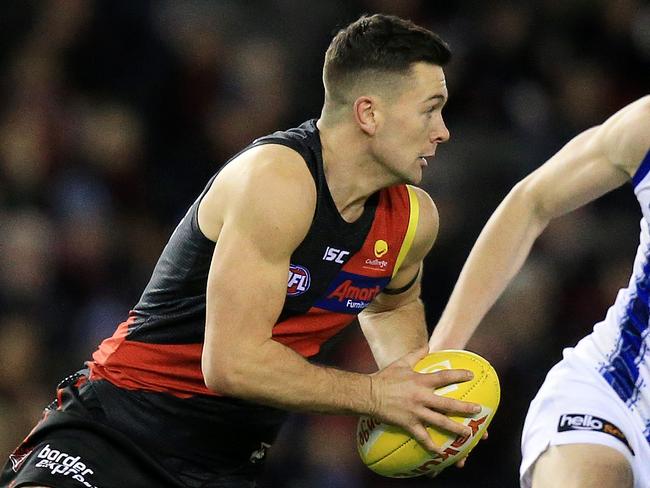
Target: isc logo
[(336, 255), (298, 281)]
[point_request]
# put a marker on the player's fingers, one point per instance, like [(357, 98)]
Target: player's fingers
[(421, 435), (447, 377), (485, 436), (441, 421), (452, 406), (461, 463)]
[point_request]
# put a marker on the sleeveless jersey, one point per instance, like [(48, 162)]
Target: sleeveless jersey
[(618, 346), (334, 274)]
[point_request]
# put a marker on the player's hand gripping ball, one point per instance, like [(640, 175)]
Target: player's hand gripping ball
[(390, 451)]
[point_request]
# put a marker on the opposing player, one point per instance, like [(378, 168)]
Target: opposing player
[(298, 234), (590, 423)]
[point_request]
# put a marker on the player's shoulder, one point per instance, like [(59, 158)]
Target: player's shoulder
[(635, 118), (428, 219), (270, 171), (428, 212), (425, 201), (639, 124), (275, 161), (267, 186), (642, 106)]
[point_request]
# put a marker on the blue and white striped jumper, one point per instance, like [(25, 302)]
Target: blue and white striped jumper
[(618, 347)]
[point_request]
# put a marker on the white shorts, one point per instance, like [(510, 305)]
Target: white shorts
[(575, 405)]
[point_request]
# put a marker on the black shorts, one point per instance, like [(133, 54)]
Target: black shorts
[(77, 459), (74, 447)]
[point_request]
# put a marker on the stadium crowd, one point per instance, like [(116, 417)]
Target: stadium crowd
[(113, 115)]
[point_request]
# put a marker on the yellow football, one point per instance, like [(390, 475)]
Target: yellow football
[(390, 451)]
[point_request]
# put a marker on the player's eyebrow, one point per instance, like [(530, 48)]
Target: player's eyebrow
[(437, 97)]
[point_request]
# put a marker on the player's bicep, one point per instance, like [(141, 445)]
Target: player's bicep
[(593, 163), (246, 283), (268, 214), (578, 174)]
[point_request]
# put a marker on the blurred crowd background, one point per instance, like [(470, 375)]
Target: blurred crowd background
[(113, 115)]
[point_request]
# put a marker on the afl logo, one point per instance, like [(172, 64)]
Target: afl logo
[(299, 280), (381, 248)]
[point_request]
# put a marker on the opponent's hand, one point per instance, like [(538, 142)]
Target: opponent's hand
[(403, 397)]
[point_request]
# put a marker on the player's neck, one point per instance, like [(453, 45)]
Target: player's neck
[(352, 174)]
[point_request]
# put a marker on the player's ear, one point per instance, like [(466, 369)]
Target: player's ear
[(364, 114)]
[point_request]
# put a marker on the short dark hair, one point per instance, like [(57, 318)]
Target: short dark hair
[(379, 44)]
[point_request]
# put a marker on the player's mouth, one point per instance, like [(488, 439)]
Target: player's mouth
[(424, 160)]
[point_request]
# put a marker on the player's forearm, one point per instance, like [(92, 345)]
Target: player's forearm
[(500, 251), (393, 333), (275, 375)]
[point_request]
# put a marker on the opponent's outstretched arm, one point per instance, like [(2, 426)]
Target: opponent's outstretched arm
[(259, 210), (590, 165)]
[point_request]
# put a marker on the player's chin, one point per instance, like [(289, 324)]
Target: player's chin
[(414, 178), (411, 177)]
